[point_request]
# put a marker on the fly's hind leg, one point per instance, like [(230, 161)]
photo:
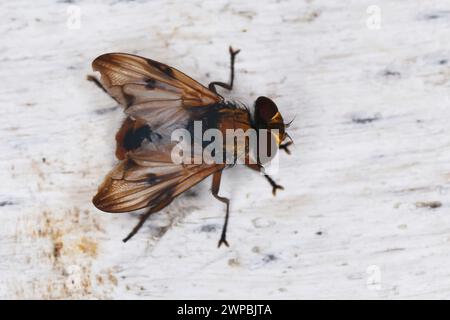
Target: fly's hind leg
[(145, 216), (100, 85), (215, 191), (141, 222), (96, 82), (228, 86)]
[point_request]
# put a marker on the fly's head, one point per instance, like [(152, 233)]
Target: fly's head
[(269, 118)]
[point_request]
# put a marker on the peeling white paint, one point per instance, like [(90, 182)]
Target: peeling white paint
[(371, 132)]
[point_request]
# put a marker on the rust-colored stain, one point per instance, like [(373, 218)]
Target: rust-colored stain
[(57, 247), (69, 239), (234, 262), (112, 278), (88, 246)]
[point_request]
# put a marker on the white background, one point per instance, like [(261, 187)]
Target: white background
[(369, 90)]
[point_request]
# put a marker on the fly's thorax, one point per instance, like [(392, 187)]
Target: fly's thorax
[(229, 132), (238, 133)]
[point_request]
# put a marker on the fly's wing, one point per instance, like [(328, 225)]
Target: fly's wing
[(157, 99), (163, 97), (149, 178)]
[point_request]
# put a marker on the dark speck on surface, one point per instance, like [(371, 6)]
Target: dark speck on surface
[(390, 73), (365, 120), (208, 228), (431, 16), (319, 233), (106, 110), (269, 258), (6, 203), (428, 204), (439, 14), (191, 194)]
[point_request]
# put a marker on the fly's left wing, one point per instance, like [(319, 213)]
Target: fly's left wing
[(149, 178), (158, 94)]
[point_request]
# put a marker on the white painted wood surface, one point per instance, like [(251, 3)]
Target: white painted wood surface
[(371, 156)]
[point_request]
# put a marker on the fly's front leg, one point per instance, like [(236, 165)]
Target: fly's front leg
[(260, 168), (228, 86), (285, 146), (215, 191), (274, 185)]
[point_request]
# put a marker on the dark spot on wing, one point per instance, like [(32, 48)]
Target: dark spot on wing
[(129, 164), (162, 67), (152, 178), (319, 233), (129, 99), (443, 61), (153, 63), (157, 134), (134, 137), (150, 84), (167, 70)]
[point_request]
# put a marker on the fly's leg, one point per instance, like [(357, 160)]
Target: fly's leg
[(274, 185), (228, 86), (99, 84), (260, 168), (215, 191), (96, 82), (145, 216), (285, 146)]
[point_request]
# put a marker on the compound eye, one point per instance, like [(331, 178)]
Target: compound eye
[(265, 109)]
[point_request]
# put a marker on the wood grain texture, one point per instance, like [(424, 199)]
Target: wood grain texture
[(365, 210)]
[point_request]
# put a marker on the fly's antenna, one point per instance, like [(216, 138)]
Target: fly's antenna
[(287, 135), (284, 146), (287, 125)]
